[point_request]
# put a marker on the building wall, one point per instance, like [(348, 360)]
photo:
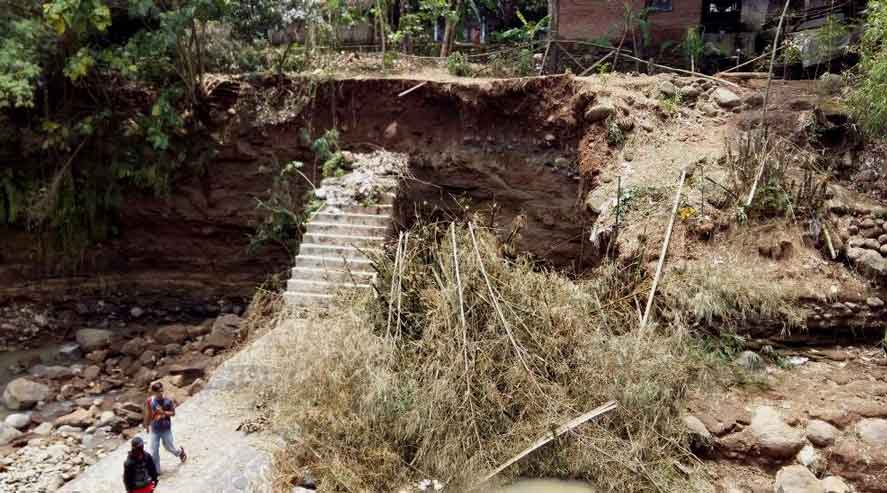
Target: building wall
[(590, 19)]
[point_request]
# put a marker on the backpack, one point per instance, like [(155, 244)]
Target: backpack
[(153, 404)]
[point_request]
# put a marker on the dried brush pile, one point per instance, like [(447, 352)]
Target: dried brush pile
[(464, 358)]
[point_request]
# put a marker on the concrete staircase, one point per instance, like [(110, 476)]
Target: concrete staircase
[(333, 252)]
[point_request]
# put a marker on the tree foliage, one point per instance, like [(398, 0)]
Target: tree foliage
[(869, 98)]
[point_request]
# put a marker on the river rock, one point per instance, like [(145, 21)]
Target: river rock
[(821, 433), (873, 431), (775, 439), (689, 92), (171, 334), (797, 479), (834, 484), (810, 458), (136, 312), (23, 393), (874, 302), (8, 433), (93, 339), (750, 361), (98, 356), (106, 418), (80, 418), (172, 349), (599, 111), (700, 437), (70, 352), (134, 347), (667, 89), (754, 100), (726, 98), (195, 331), (224, 333), (91, 372), (51, 372), (43, 429), (68, 429), (18, 420)]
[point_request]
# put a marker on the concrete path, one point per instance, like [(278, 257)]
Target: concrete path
[(220, 459)]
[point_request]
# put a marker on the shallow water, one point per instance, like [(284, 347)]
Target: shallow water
[(22, 358), (547, 486)]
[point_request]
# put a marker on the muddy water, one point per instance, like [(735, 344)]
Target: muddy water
[(547, 486)]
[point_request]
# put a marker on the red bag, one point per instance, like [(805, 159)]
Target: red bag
[(146, 489)]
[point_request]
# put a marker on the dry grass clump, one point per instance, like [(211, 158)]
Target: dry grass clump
[(729, 298), (449, 372)]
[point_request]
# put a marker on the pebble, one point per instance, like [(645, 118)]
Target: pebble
[(797, 479)]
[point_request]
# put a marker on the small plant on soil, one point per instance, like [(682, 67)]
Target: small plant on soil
[(788, 182), (457, 64), (670, 105), (326, 150)]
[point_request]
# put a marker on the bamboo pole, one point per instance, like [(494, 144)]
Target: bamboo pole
[(560, 430), (595, 64), (662, 254)]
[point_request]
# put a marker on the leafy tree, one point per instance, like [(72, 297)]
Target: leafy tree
[(869, 98)]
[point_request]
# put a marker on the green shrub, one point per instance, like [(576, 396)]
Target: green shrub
[(868, 101), (457, 64)]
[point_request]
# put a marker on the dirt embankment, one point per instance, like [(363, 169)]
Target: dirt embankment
[(512, 143)]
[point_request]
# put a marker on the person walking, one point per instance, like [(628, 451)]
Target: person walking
[(158, 411), (139, 471)]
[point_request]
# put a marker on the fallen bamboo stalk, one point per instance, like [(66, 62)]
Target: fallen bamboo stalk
[(828, 241), (495, 302), (770, 72), (461, 300), (595, 64), (403, 252), (747, 62), (571, 56), (662, 254), (743, 75), (412, 89), (545, 58), (682, 71), (392, 291), (560, 430)]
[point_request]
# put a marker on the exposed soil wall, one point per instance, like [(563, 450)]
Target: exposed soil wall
[(512, 143)]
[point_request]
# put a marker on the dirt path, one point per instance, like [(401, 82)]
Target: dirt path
[(220, 459)]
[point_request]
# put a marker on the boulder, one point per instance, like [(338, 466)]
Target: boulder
[(725, 98), (80, 418), (18, 420), (93, 339), (23, 393), (134, 347), (599, 111), (51, 411), (148, 358), (873, 431), (708, 109), (224, 333), (107, 418), (754, 100), (171, 334), (821, 433), (834, 484), (67, 429), (810, 458), (8, 434), (869, 261), (797, 479), (774, 438)]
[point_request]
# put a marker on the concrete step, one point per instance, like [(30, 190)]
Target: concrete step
[(342, 240), (346, 229), (347, 251), (334, 262), (303, 286), (332, 275), (352, 219), (306, 299), (381, 209)]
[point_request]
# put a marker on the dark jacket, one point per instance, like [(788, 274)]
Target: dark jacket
[(139, 471)]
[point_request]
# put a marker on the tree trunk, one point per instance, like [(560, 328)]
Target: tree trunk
[(450, 29), (552, 62)]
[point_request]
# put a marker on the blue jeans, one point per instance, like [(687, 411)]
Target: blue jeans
[(154, 439)]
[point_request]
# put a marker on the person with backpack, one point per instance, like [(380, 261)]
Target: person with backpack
[(139, 473), (158, 411)]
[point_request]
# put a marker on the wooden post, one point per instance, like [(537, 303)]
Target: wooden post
[(674, 211)]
